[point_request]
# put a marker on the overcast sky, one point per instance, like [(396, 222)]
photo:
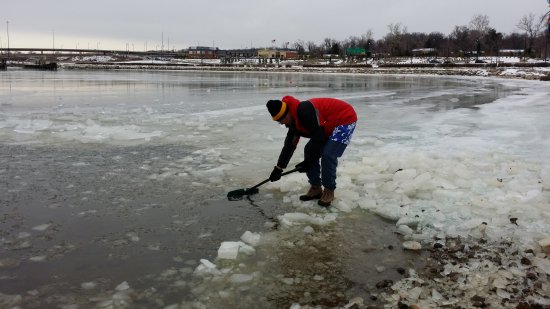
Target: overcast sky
[(229, 24)]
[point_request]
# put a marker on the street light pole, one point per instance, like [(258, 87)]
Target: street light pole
[(8, 33)]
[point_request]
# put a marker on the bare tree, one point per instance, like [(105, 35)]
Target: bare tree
[(395, 30), (480, 23), (327, 45), (462, 39), (435, 40), (299, 46), (367, 36), (394, 39), (352, 41), (532, 26), (313, 49), (364, 41)]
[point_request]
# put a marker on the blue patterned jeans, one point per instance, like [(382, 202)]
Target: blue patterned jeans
[(325, 172)]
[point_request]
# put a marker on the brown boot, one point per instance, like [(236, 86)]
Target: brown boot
[(326, 198), (313, 193)]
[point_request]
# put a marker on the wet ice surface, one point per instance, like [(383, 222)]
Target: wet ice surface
[(114, 184)]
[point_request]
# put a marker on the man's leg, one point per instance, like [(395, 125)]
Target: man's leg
[(334, 148), (329, 162), (314, 172), (314, 178)]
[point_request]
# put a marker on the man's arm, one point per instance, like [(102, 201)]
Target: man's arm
[(307, 115), (291, 141)]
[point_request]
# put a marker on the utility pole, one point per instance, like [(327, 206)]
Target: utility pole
[(8, 33)]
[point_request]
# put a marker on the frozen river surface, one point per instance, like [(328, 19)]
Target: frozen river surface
[(113, 185)]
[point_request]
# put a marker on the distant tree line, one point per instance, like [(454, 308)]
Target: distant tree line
[(477, 36)]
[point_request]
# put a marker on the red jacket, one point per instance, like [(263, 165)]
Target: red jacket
[(318, 118), (331, 113)]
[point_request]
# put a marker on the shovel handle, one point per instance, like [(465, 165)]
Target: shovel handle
[(283, 174)]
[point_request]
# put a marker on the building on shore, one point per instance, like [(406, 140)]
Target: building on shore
[(202, 52), (278, 54)]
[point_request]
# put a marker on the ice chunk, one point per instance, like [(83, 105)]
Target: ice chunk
[(346, 194), (412, 245), (545, 244), (404, 175), (88, 285), (38, 258), (246, 249), (542, 264), (404, 230), (207, 263), (31, 126), (344, 206), (123, 286), (470, 224), (356, 302), (230, 249), (367, 204), (240, 278), (503, 294), (500, 283), (288, 281), (420, 182), (206, 267), (411, 222), (436, 296), (251, 238), (297, 218), (414, 294), (22, 235), (134, 237), (42, 227)]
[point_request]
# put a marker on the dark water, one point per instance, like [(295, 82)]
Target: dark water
[(96, 199), (109, 224)]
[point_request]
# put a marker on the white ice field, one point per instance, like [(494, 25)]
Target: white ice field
[(439, 156)]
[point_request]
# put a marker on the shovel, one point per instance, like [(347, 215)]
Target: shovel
[(236, 195)]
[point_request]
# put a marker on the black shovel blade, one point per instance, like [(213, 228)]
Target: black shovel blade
[(236, 195)]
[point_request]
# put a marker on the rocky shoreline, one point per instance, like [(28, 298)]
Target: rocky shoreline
[(519, 72), (472, 273)]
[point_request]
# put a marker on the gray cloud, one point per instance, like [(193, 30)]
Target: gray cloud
[(240, 23)]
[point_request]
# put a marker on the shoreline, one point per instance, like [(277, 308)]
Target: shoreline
[(527, 72)]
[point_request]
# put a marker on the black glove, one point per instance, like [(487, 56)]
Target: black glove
[(276, 174), (302, 167)]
